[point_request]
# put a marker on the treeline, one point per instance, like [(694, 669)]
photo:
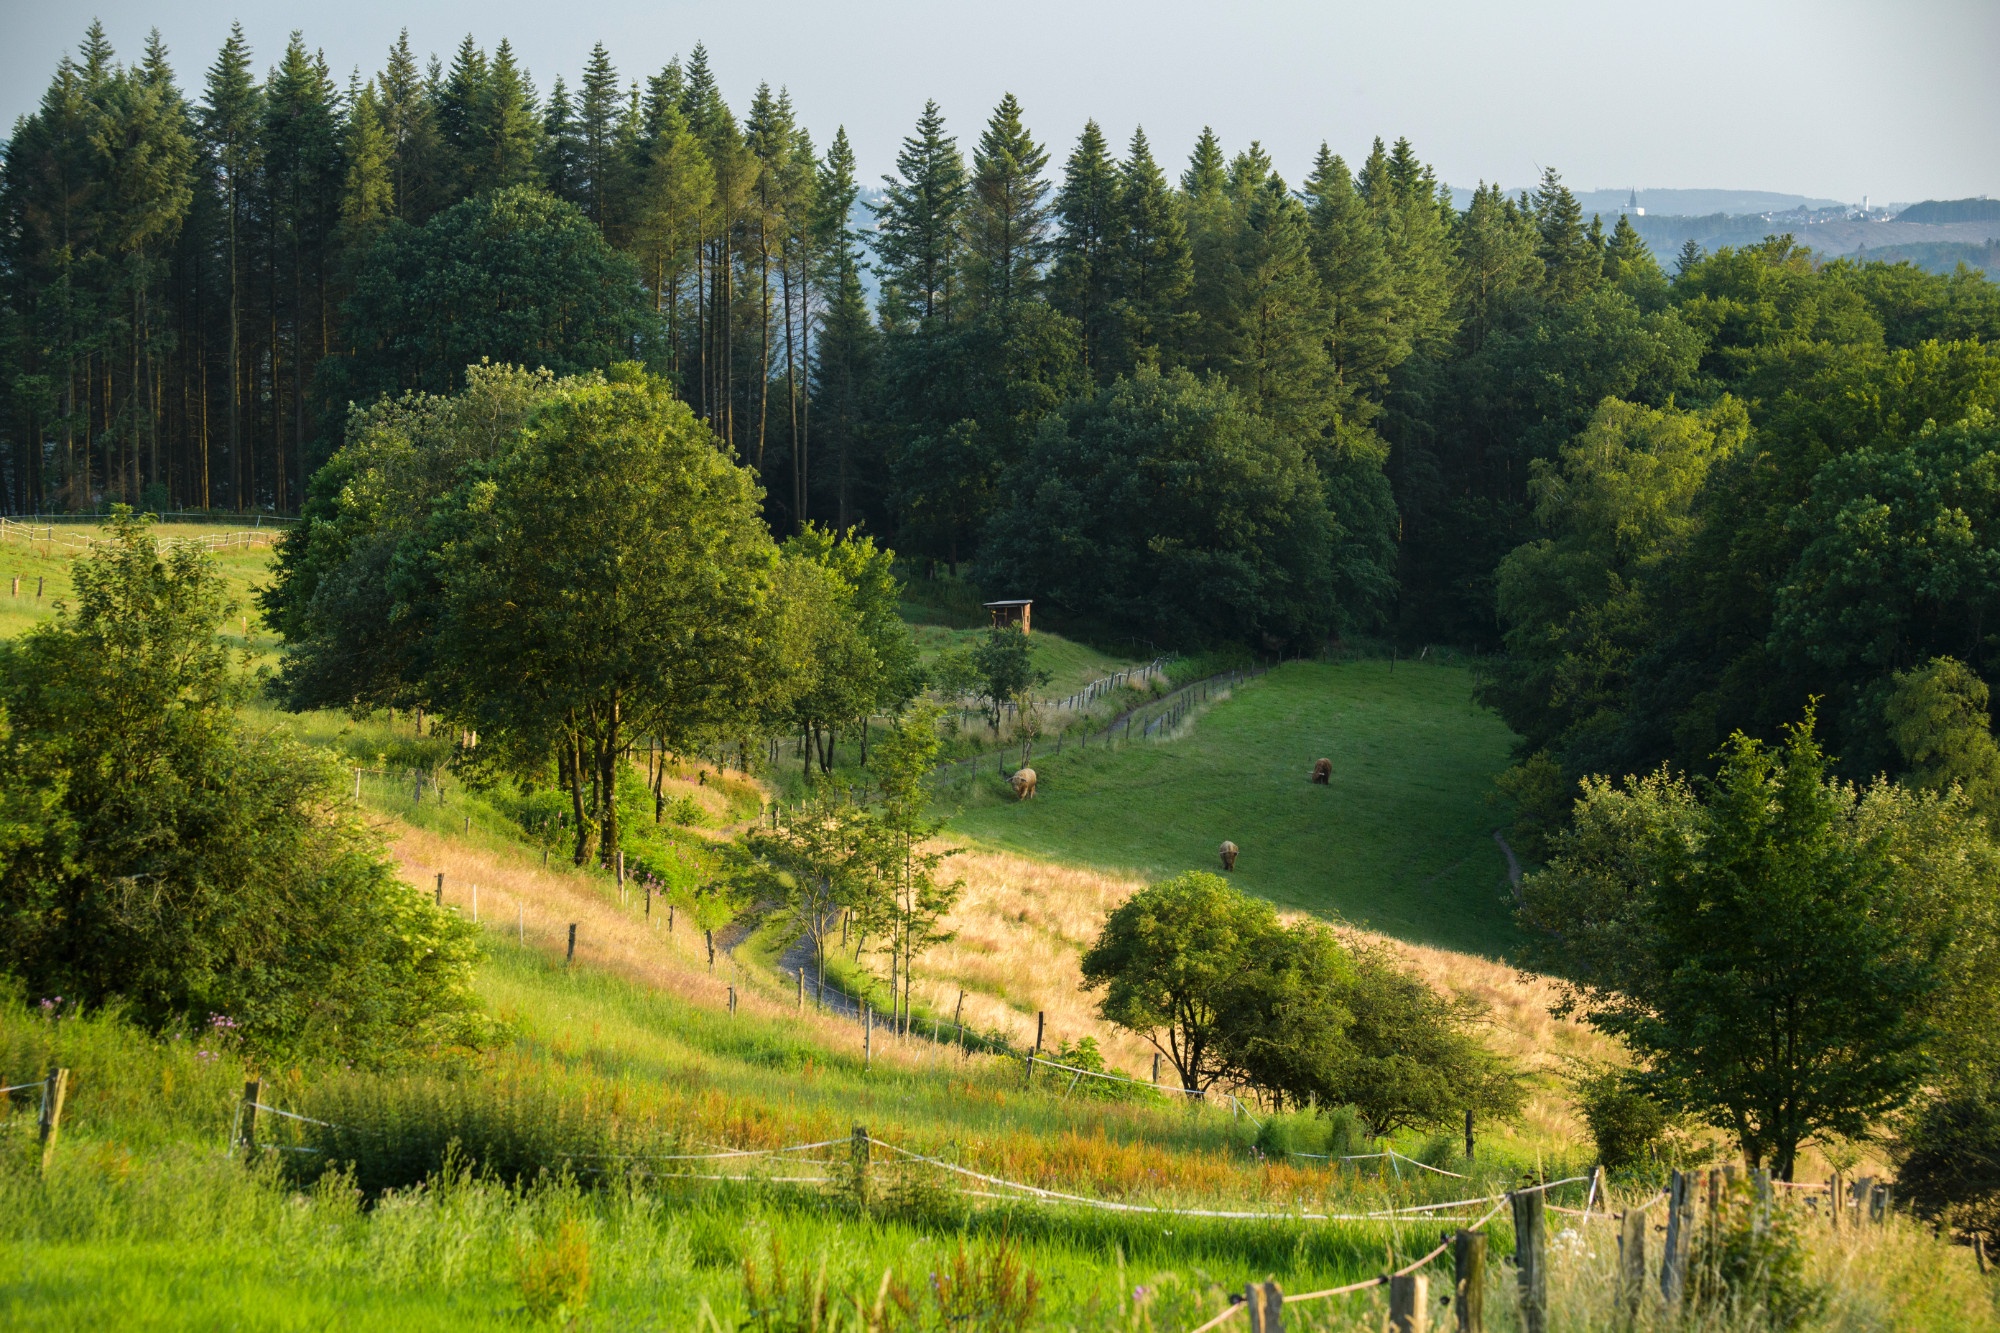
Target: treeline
[(1194, 405)]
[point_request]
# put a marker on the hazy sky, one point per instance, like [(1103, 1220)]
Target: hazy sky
[(1899, 101)]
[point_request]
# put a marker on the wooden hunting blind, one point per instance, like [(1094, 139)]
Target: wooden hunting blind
[(1013, 611)]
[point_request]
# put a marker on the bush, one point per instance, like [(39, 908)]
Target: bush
[(156, 855), (1626, 1125), (1949, 1163)]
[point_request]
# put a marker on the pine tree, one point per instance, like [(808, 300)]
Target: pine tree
[(1280, 357), (1206, 175), (460, 100), (561, 166), (230, 118), (917, 237), (1629, 265), (1363, 343), (1570, 265), (1084, 279), (418, 173), (1154, 267), (844, 359), (1007, 212), (368, 196), (303, 176), (507, 138), (598, 109), (1497, 263)]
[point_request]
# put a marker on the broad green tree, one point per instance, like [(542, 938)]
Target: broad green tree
[(1755, 940)]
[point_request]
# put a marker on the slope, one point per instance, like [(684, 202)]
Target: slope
[(1400, 841)]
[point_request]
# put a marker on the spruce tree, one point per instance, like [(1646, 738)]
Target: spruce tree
[(303, 176), (1084, 279), (1206, 173), (368, 195), (1362, 340), (1403, 195), (1497, 263), (917, 233), (1215, 221), (1629, 265), (460, 99), (1280, 355), (508, 134), (1007, 213), (1248, 172), (230, 116), (1154, 267), (844, 358), (1570, 265), (409, 116), (561, 165), (598, 107)]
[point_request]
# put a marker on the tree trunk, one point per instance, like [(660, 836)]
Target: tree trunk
[(573, 761)]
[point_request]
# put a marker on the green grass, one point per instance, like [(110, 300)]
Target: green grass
[(145, 1221), (243, 568), (1401, 841)]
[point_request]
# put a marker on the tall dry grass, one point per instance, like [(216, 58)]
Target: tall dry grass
[(1023, 925)]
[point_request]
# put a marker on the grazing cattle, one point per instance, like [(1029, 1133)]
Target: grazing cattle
[(1322, 771), (1023, 783), (1229, 856)]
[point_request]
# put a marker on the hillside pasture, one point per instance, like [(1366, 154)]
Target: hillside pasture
[(1400, 841)]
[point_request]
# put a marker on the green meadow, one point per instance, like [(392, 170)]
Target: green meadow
[(1401, 839)]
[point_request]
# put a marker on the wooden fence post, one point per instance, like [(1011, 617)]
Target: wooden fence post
[(1468, 1133), (440, 889), (253, 1092), (1266, 1307), (1409, 1303), (1468, 1301), (802, 990), (860, 1157), (732, 1000), (867, 1036), (571, 958), (1631, 1259), (1673, 1260), (54, 1093), (708, 937), (1531, 1242)]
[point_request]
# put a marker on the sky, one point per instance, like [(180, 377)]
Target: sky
[(1839, 98)]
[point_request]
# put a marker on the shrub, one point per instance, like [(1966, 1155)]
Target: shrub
[(1949, 1163), (1626, 1125), (155, 854)]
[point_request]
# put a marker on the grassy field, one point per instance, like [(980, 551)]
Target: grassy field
[(244, 568), (1401, 841), (146, 1219)]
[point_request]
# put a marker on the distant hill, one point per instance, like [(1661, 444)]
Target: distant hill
[(1938, 256), (1934, 211), (1680, 203), (1697, 203)]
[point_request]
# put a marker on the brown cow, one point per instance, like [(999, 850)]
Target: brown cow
[(1229, 856), (1322, 771), (1023, 783)]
